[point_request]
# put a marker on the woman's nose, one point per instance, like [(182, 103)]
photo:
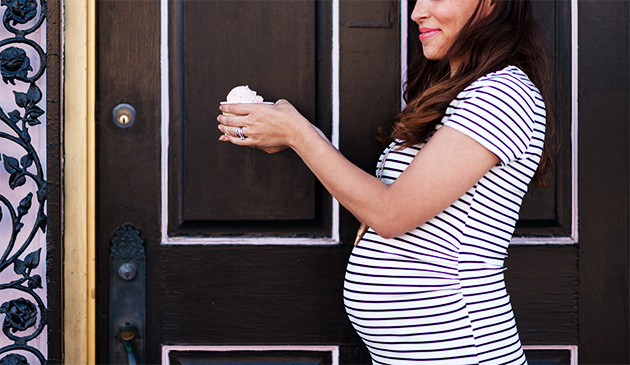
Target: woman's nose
[(419, 11)]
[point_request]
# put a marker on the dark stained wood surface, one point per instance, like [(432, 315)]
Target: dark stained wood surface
[(547, 211), (293, 294), (281, 50), (543, 285), (202, 294), (604, 111), (271, 47), (127, 160), (53, 156), (369, 86), (254, 295)]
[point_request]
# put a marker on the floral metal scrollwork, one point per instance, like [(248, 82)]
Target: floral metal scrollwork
[(127, 244), (20, 11), (13, 359), (25, 315)]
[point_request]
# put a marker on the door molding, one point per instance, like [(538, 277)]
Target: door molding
[(573, 350), (165, 102), (78, 92), (166, 349)]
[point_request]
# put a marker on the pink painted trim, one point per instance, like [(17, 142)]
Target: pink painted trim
[(324, 348), (572, 348)]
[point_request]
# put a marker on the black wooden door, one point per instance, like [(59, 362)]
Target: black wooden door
[(242, 248)]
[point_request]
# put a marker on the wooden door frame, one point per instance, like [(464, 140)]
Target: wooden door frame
[(78, 94)]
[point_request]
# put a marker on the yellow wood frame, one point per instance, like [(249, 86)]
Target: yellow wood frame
[(78, 92)]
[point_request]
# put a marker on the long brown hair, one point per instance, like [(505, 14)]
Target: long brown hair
[(507, 35)]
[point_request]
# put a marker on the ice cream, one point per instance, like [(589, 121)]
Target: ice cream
[(243, 94)]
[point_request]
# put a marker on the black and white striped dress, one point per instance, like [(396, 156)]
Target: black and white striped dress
[(436, 294)]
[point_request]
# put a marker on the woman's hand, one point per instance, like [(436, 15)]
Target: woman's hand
[(271, 128)]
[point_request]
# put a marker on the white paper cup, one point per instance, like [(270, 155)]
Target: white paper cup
[(244, 102)]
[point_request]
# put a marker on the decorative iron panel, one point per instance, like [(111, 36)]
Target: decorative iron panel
[(23, 192)]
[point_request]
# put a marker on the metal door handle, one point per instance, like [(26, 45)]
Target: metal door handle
[(127, 336), (127, 296)]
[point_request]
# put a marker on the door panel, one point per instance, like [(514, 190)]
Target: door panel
[(278, 48), (251, 357), (253, 295), (542, 282), (548, 212)]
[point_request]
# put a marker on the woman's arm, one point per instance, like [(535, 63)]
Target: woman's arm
[(446, 167)]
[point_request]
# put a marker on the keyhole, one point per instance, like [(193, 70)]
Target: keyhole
[(124, 115), (127, 272)]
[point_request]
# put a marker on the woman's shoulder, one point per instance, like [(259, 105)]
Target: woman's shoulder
[(510, 81), (501, 110)]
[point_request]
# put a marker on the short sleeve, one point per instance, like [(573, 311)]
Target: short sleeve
[(497, 112)]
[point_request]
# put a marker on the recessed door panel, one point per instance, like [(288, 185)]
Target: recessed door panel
[(280, 50)]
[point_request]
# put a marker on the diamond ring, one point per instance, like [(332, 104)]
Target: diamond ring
[(239, 133)]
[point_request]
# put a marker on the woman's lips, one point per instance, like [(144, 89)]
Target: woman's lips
[(426, 33)]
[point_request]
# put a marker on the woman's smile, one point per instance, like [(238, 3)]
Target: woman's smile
[(426, 33)]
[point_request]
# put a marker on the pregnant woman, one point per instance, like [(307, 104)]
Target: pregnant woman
[(425, 282)]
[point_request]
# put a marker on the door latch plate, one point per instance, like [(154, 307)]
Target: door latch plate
[(127, 295)]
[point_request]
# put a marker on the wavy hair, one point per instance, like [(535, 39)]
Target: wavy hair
[(507, 35)]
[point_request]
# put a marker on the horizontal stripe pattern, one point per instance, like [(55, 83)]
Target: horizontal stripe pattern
[(436, 294)]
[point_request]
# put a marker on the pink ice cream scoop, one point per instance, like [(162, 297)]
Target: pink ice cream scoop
[(242, 95)]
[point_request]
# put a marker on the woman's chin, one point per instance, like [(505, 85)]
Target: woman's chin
[(433, 56)]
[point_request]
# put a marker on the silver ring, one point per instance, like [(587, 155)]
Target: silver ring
[(239, 133)]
